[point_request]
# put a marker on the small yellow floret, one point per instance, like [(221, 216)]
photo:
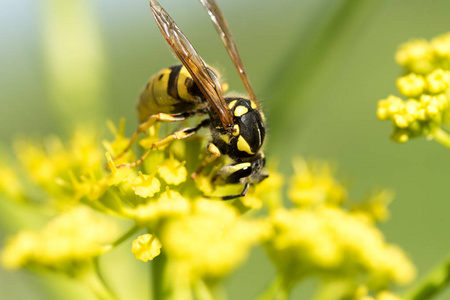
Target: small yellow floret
[(411, 85), (146, 247), (389, 106), (169, 204), (438, 81), (441, 46), (416, 56), (146, 185), (375, 207), (313, 184), (173, 171), (118, 176)]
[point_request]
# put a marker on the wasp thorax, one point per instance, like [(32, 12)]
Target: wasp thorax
[(248, 132)]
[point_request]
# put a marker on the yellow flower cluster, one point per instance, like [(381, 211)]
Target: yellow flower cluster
[(422, 56), (330, 242), (71, 238), (313, 184), (202, 239), (47, 166), (413, 118), (425, 86), (321, 238), (211, 241)]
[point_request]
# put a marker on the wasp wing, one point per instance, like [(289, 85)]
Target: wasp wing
[(205, 79), (227, 38)]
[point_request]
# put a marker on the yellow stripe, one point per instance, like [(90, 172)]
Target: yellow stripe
[(236, 130), (225, 138), (240, 110), (181, 85), (231, 104), (243, 146)]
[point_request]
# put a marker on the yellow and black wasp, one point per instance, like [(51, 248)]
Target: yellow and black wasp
[(193, 89)]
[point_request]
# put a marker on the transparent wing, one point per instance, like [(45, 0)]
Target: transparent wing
[(225, 34), (203, 77)]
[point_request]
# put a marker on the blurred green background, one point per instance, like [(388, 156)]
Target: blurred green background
[(318, 68)]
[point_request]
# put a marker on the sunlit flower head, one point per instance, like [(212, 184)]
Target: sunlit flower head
[(330, 242), (313, 184), (75, 236), (212, 241)]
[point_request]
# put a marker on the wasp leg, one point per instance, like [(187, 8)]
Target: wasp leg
[(178, 135), (214, 153), (231, 197), (143, 127)]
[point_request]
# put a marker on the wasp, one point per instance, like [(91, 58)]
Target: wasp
[(194, 89)]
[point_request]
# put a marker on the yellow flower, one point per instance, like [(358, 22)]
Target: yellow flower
[(432, 106), (118, 176), (173, 171), (438, 81), (411, 85), (146, 185), (416, 56), (146, 247), (413, 118), (375, 207), (386, 295), (117, 146), (268, 192), (332, 242), (441, 46), (169, 204), (212, 241), (75, 236), (313, 184), (10, 183), (19, 250)]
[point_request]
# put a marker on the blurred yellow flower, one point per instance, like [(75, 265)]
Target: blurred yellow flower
[(10, 183), (169, 204), (416, 55), (313, 184), (438, 81), (411, 85), (75, 236), (332, 242), (212, 241)]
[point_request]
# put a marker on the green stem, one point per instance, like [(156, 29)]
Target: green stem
[(125, 236), (441, 137), (97, 285), (432, 284), (158, 277), (272, 291), (202, 291)]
